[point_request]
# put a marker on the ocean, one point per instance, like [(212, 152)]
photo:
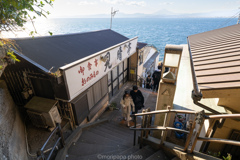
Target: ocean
[(156, 31)]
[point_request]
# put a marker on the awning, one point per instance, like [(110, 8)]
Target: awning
[(150, 60)]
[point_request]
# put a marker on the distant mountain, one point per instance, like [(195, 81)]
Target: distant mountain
[(166, 14)]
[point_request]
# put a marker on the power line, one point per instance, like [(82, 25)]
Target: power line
[(229, 19)]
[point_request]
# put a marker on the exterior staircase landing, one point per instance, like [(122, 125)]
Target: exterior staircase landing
[(110, 140)]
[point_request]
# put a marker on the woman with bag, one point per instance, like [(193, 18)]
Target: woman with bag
[(127, 106)]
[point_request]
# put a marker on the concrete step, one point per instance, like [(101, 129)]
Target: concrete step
[(143, 153), (98, 156), (111, 137), (115, 133), (86, 149), (92, 138), (158, 155), (120, 130), (129, 151)]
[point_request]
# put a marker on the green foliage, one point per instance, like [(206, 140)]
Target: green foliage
[(14, 13), (229, 157), (214, 154), (50, 33), (113, 104), (11, 55)]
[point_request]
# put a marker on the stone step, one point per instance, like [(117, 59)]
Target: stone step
[(111, 137), (158, 155), (98, 156), (143, 153), (130, 151), (114, 133), (92, 138), (123, 131), (86, 149)]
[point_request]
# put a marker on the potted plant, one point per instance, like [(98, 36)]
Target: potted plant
[(113, 106)]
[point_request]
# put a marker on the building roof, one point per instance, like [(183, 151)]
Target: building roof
[(140, 45), (57, 51), (184, 86), (216, 58)]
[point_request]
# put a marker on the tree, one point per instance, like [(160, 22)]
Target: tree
[(13, 15)]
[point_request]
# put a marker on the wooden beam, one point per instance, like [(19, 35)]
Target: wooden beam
[(221, 93)]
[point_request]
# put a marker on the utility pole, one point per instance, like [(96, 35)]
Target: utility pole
[(112, 15)]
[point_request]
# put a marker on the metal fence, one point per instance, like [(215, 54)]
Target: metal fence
[(199, 118), (41, 153)]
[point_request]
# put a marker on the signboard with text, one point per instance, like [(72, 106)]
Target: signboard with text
[(82, 75)]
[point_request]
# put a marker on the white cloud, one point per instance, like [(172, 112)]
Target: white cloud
[(86, 3), (125, 2)]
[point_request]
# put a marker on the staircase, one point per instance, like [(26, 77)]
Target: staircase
[(110, 140)]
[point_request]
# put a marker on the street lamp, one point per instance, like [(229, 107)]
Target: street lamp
[(172, 59)]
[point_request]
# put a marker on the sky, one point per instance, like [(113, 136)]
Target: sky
[(71, 8)]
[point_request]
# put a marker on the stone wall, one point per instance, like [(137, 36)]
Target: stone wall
[(12, 139)]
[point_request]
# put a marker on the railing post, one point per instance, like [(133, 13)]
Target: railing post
[(200, 120), (165, 124), (192, 127), (142, 132), (60, 134), (148, 123), (135, 125)]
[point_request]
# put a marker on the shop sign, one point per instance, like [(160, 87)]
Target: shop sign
[(81, 75)]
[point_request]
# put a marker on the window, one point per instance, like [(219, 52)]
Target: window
[(109, 77), (114, 73), (125, 64), (120, 68), (232, 149), (140, 57)]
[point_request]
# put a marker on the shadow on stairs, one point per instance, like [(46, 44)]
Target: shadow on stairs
[(110, 140)]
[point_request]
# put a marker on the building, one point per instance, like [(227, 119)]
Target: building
[(215, 57), (78, 73)]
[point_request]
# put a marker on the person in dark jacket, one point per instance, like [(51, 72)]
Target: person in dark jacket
[(149, 82), (156, 78), (138, 99)]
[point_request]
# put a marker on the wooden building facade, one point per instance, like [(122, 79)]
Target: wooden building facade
[(80, 71)]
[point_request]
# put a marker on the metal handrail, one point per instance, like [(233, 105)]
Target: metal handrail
[(222, 116), (164, 111), (50, 155), (58, 131), (199, 118), (50, 136), (161, 128)]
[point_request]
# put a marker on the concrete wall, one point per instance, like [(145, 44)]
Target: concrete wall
[(229, 125), (224, 133), (12, 139), (230, 103)]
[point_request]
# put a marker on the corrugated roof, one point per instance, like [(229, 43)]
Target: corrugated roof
[(150, 61), (216, 58), (59, 50)]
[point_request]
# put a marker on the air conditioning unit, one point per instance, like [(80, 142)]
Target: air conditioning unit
[(43, 112)]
